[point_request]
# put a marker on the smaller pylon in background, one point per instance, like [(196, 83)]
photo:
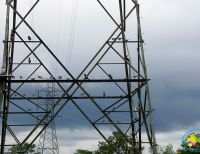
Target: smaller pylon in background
[(48, 143)]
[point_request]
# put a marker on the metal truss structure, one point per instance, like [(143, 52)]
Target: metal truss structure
[(119, 95), (48, 143)]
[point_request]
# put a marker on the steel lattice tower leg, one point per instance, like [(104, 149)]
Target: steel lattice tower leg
[(122, 102), (48, 143)]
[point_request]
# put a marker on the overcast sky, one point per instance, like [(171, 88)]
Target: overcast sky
[(172, 43)]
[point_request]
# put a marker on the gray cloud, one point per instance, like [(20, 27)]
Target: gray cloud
[(172, 41)]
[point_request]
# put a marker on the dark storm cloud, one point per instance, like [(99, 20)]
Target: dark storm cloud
[(172, 56)]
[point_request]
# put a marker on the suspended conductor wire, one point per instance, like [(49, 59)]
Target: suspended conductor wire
[(32, 23), (33, 16), (58, 34), (72, 31)]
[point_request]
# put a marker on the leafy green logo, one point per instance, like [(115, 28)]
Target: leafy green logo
[(191, 140)]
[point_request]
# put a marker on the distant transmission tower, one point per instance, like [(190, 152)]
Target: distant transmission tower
[(118, 100), (48, 143)]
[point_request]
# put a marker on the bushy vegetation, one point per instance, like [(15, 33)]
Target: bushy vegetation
[(121, 146), (24, 149)]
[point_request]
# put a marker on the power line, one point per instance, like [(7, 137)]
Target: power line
[(72, 31)]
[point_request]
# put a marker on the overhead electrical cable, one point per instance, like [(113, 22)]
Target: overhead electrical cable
[(72, 31), (58, 34)]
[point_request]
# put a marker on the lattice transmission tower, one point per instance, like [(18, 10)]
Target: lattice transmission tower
[(119, 96), (48, 143)]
